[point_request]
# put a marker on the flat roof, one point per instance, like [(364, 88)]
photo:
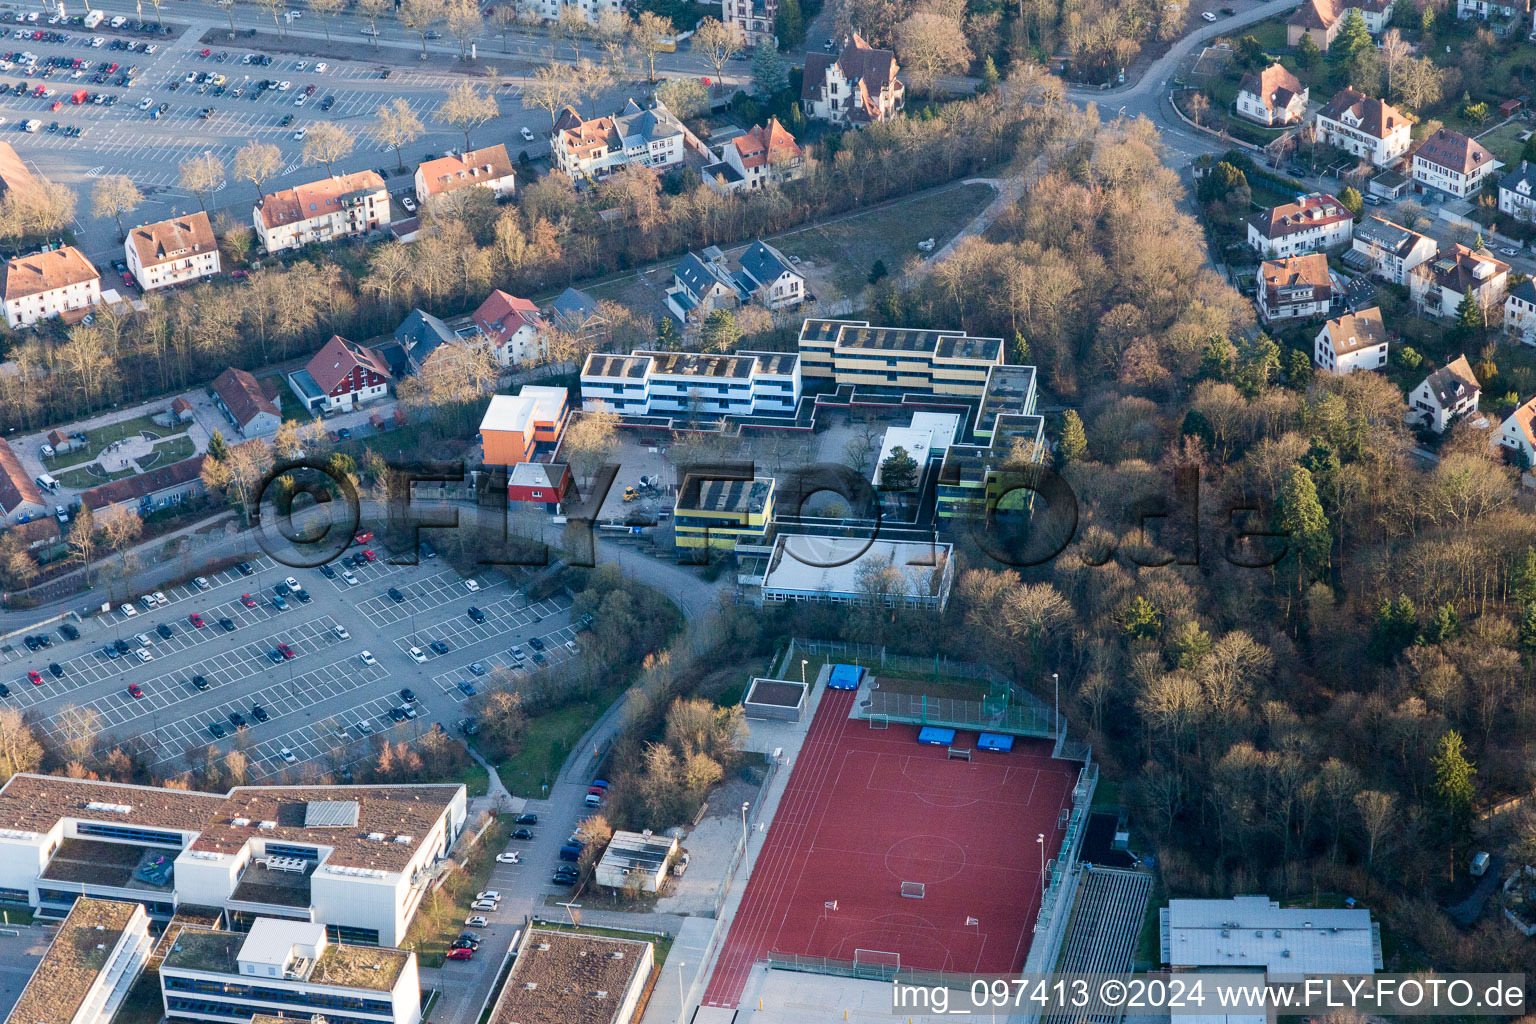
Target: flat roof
[(512, 413), (271, 941), (1255, 931), (570, 978), (600, 364), (791, 570), (778, 693), (77, 955), (917, 441), (700, 494), (700, 364), (637, 851), (778, 363), (377, 968)]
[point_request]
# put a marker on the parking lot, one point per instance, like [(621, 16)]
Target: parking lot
[(319, 697)]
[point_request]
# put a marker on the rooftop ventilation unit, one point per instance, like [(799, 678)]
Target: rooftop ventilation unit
[(403, 839), (377, 837), (242, 822), (97, 805), (268, 825)]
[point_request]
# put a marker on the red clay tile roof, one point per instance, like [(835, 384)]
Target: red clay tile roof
[(338, 358), (173, 239), (476, 167), (46, 271), (766, 144), (1311, 211), (501, 314), (242, 395), (316, 199), (1274, 86), (16, 487), (1314, 14), (1376, 119), (1294, 272), (1453, 151), (584, 138), (135, 487), (1354, 331)]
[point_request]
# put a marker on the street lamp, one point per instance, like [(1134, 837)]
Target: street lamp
[(1040, 841), (680, 965), (1056, 701), (745, 804), (803, 662)]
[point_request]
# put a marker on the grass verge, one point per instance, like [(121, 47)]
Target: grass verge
[(549, 741), (441, 916)]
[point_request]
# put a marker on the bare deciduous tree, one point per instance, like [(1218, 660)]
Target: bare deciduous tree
[(467, 107), (716, 43), (258, 162), (396, 126), (931, 45), (651, 32), (115, 195), (326, 11), (327, 142), (202, 175), (551, 88), (419, 16), (372, 10)]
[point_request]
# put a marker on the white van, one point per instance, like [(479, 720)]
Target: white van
[(47, 483), (46, 451), (33, 125), (593, 800), (92, 19)]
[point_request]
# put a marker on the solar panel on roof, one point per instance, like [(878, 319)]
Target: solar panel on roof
[(330, 814)]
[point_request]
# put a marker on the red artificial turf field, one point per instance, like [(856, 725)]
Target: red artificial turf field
[(867, 809)]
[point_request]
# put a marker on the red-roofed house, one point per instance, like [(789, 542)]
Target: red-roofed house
[(341, 206), (541, 483), (240, 396), (1453, 163), (1322, 19), (341, 376), (513, 325), (767, 155), (49, 284), (19, 495), (1312, 223), (1366, 127), (1292, 288), (486, 168), (1272, 97)]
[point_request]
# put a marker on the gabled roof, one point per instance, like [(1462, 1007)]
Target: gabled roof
[(1459, 268), (1367, 114), (1274, 86), (869, 72), (1525, 419), (1453, 382), (1314, 14), (173, 239), (318, 198), (476, 167), (699, 274), (1393, 238), (242, 395), (1454, 152), (47, 271), (765, 144), (1310, 270), (764, 264), (575, 307), (501, 315), (1521, 179), (420, 334), (647, 124), (135, 487), (1355, 331), (338, 358), (16, 488)]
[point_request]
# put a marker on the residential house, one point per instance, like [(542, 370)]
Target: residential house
[(14, 175), (857, 87), (1483, 10), (172, 251), (514, 426), (1452, 163), (341, 206), (589, 150), (939, 362), (1520, 312), (1389, 250), (488, 168), (701, 285), (240, 397), (539, 483), (1313, 223), (647, 383), (1517, 193), (340, 377), (1367, 127), (514, 328), (577, 313), (219, 975), (1322, 19), (420, 335), (771, 278), (154, 490), (20, 496), (1354, 341), (755, 19), (1437, 286), (1518, 434), (1445, 395), (589, 10), (1297, 287), (49, 284), (91, 963), (704, 283), (1273, 97), (765, 156)]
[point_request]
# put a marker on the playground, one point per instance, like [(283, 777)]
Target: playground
[(887, 852)]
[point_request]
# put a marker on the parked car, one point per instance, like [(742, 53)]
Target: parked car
[(259, 713), (523, 834), (248, 600), (134, 691), (227, 624), (408, 695), (340, 632), (367, 658), (509, 858), (457, 954), (476, 614), (438, 647), (526, 819), (199, 682), (201, 583), (395, 595), (476, 921), (417, 655)]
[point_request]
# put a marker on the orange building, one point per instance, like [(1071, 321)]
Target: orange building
[(515, 424)]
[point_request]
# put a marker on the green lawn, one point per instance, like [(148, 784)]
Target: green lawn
[(941, 688), (431, 945), (475, 779), (176, 449), (102, 436), (663, 945), (548, 743), (890, 233), (81, 479), (1504, 141)]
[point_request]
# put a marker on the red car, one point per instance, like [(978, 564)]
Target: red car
[(248, 600), (369, 555), (57, 105), (364, 537), (205, 53), (36, 676), (461, 954), (196, 620), (134, 691), (238, 274), (285, 651)]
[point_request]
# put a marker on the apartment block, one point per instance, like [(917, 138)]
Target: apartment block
[(646, 383), (853, 352)]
